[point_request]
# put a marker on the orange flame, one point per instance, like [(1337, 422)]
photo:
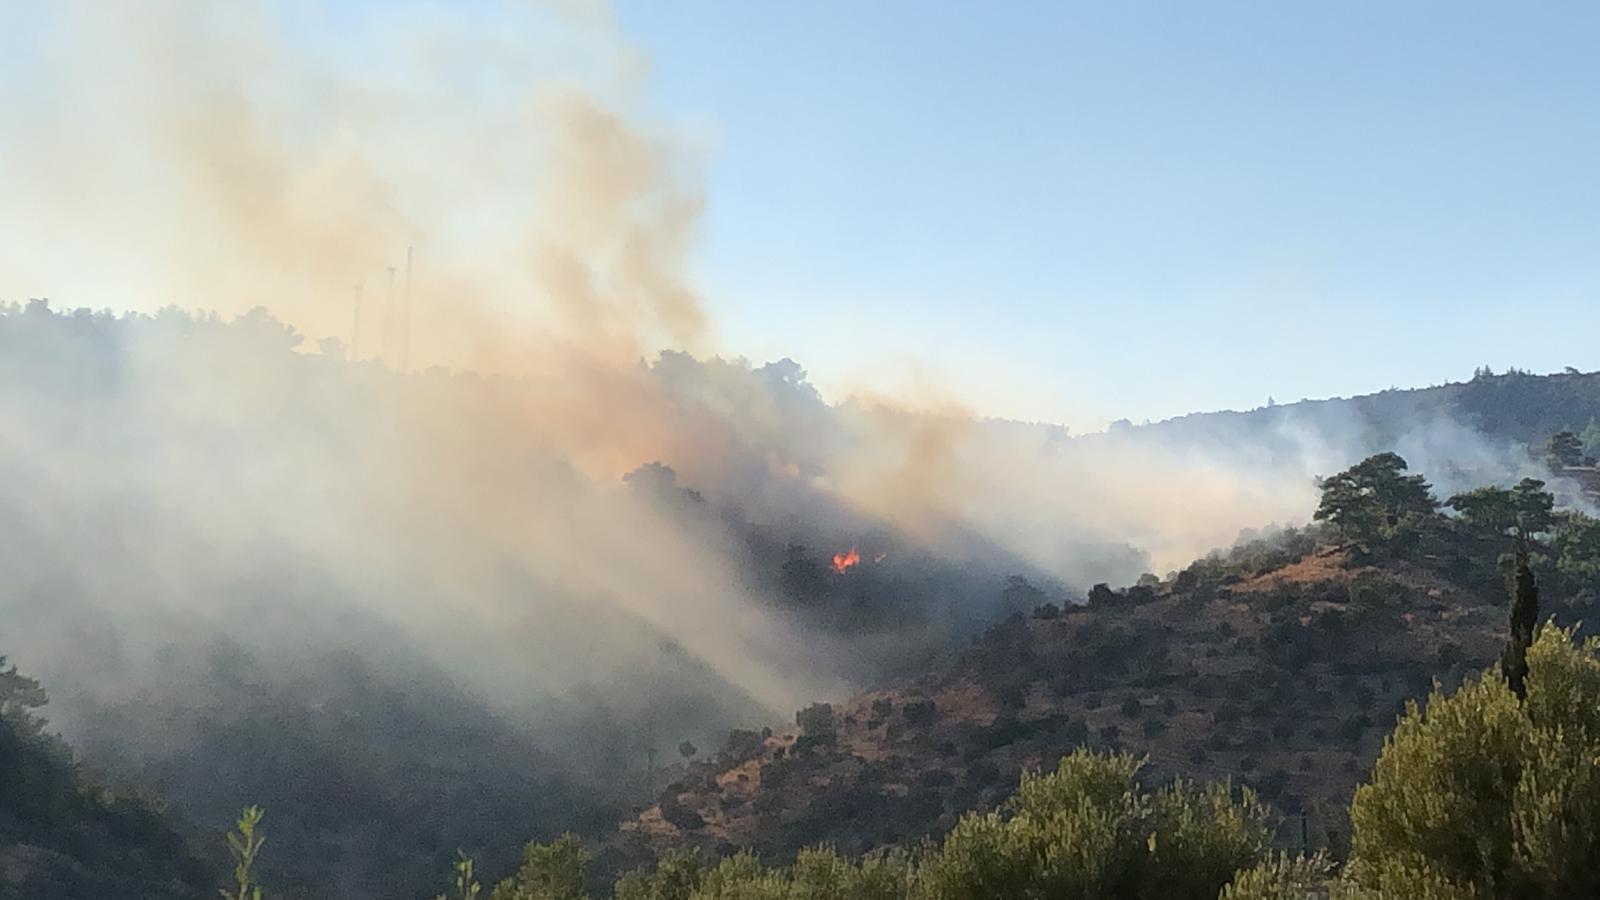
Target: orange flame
[(843, 561)]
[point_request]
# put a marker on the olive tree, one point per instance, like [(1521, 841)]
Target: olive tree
[(1480, 794), (1089, 829)]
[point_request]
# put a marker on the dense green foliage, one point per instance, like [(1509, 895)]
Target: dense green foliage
[(553, 871), (1089, 830), (1086, 829), (1523, 511), (1385, 512), (1280, 878), (62, 835), (1480, 795), (1577, 545), (1374, 500)]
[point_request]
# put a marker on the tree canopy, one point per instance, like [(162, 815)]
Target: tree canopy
[(1523, 511), (1565, 449), (553, 871), (1577, 545), (1374, 500)]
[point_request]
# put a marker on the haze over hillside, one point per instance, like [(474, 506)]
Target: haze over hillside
[(380, 457), (237, 559), (1280, 663)]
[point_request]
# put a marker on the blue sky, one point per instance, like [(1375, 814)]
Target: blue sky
[(1090, 211)]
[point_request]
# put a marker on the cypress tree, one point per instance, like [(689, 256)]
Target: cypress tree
[(1524, 615)]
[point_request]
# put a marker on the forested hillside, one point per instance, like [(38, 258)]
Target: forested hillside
[(1281, 663), (410, 611), (1484, 791), (1513, 406)]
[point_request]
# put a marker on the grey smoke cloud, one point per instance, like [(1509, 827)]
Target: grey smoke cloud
[(176, 482)]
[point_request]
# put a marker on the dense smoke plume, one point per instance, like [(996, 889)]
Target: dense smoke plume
[(524, 495)]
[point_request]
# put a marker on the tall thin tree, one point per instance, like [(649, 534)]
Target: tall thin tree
[(1524, 617)]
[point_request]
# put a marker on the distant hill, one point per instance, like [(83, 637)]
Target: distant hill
[(1281, 664), (1513, 406)]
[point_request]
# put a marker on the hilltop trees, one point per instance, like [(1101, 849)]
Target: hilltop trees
[(1374, 501), (1522, 511)]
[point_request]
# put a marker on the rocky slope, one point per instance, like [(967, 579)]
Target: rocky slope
[(1281, 665)]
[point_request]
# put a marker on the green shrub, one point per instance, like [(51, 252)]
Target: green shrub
[(463, 881), (1375, 592), (1089, 830), (553, 871), (1488, 797), (1281, 878), (677, 875), (245, 845), (818, 873)]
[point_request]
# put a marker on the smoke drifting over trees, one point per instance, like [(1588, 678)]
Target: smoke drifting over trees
[(567, 533), (178, 475)]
